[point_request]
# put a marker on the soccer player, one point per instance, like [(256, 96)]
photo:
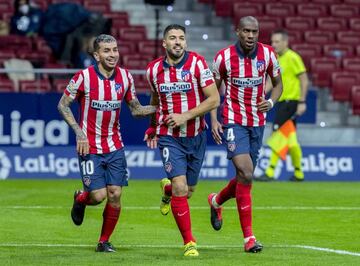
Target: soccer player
[(184, 89), (292, 102), (243, 67), (100, 89)]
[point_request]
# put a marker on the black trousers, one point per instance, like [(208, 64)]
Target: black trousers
[(283, 112)]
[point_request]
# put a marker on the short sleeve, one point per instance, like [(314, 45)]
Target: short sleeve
[(206, 77), (130, 92), (298, 65), (273, 68), (219, 66), (75, 86), (150, 79)]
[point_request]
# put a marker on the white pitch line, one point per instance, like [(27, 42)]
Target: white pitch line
[(328, 250), (305, 208)]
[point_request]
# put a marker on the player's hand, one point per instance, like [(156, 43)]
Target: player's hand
[(151, 138), (216, 130), (264, 105), (301, 108), (176, 120), (82, 145)]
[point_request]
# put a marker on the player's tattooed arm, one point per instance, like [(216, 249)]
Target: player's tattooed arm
[(139, 110), (82, 144)]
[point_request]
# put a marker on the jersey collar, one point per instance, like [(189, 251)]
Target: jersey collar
[(98, 73), (240, 52), (178, 65)]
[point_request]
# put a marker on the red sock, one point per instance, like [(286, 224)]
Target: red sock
[(227, 192), (181, 212), (110, 218), (243, 200), (168, 190), (84, 198)]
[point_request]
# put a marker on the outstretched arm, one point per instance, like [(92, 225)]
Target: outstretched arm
[(82, 144), (139, 110)]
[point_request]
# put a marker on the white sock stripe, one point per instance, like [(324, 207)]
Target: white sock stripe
[(248, 238)]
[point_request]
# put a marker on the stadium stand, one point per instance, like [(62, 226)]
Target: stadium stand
[(338, 50), (247, 9), (307, 52), (319, 37), (331, 23), (279, 9), (321, 69), (268, 24), (35, 86), (299, 23), (354, 24), (311, 10), (355, 99), (351, 64), (6, 85), (348, 37), (342, 83), (344, 11)]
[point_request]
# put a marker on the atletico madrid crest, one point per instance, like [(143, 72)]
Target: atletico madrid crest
[(260, 65), (87, 181), (231, 146), (186, 75), (168, 167), (118, 87)]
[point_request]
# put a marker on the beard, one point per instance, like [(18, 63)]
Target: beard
[(176, 55)]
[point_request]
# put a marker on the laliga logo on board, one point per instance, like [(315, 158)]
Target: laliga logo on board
[(263, 163), (32, 133), (5, 165)]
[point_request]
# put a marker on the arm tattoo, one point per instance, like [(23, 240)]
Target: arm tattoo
[(139, 110), (154, 101), (65, 111)]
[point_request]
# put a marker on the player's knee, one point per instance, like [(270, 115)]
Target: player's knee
[(114, 194), (98, 197), (244, 176), (180, 189)]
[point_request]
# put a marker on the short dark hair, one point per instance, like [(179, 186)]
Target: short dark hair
[(283, 33), (173, 27), (103, 38), (247, 19)]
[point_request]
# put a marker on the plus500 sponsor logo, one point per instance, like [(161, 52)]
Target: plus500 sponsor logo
[(33, 133)]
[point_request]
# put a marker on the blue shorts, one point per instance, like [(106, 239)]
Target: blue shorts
[(99, 170), (243, 140), (183, 156)]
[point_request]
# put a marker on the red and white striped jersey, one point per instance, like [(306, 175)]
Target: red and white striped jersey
[(244, 78), (179, 89), (100, 103)]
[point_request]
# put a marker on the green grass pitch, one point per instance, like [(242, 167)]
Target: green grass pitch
[(298, 224)]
